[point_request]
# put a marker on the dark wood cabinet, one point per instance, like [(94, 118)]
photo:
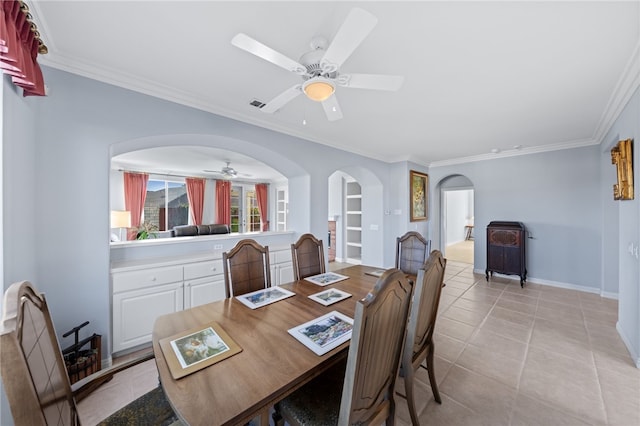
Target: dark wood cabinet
[(506, 252)]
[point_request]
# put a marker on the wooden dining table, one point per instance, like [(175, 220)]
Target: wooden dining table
[(272, 363)]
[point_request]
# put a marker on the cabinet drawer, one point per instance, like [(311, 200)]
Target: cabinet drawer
[(202, 269), (131, 280)]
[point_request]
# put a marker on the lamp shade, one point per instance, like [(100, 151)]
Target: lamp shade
[(318, 89), (120, 219)]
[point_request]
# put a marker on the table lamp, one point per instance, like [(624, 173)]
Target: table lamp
[(120, 219)]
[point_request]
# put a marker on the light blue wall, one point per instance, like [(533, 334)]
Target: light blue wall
[(19, 194), (20, 186), (555, 194), (621, 228)]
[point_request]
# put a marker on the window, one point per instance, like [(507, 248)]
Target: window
[(253, 213), (236, 208), (245, 215), (166, 204)]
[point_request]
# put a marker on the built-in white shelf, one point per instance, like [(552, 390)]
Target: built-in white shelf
[(353, 225)]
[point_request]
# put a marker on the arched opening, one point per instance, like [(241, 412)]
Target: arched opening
[(166, 203), (356, 213), (457, 200), (171, 158)]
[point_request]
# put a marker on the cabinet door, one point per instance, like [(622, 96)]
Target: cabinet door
[(203, 290), (285, 273), (512, 262), (281, 267), (495, 259), (134, 313)]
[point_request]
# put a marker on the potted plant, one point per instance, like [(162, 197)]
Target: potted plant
[(147, 230)]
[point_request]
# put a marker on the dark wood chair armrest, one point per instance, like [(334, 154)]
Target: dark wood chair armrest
[(83, 387)]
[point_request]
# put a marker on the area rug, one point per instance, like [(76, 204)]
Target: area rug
[(150, 409)]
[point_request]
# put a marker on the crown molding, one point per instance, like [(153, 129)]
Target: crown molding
[(515, 152), (627, 85)]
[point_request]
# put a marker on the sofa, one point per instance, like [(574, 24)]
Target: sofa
[(195, 230)]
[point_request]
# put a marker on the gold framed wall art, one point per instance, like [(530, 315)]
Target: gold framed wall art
[(622, 157), (419, 193)]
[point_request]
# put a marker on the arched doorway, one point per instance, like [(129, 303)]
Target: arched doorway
[(355, 207), (457, 219)]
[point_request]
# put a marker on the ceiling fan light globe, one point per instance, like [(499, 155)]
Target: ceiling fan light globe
[(318, 89)]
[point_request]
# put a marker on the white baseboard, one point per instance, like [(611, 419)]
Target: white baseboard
[(107, 362), (533, 280), (609, 295), (632, 351)]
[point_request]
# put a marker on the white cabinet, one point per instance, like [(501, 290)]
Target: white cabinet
[(135, 311), (203, 290), (142, 294), (281, 267), (353, 225), (144, 291), (203, 283)]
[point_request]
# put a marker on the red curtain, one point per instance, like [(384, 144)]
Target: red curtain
[(19, 48), (223, 202), (261, 196), (195, 194), (135, 192)]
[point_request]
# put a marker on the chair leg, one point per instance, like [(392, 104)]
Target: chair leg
[(277, 417), (432, 374), (408, 389)]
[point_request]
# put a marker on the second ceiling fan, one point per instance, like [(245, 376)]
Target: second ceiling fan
[(320, 67)]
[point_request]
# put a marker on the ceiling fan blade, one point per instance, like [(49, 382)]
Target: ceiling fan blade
[(253, 46), (354, 29), (371, 81), (332, 108), (283, 98)]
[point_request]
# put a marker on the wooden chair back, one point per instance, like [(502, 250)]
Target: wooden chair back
[(307, 255), (424, 312), (422, 320), (377, 340), (246, 268), (412, 250), (33, 371)]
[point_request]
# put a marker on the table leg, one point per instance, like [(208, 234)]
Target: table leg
[(264, 417)]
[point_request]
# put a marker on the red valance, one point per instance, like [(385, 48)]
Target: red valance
[(19, 47)]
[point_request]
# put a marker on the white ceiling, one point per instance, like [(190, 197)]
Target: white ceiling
[(479, 76)]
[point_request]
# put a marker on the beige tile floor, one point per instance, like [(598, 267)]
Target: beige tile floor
[(504, 356)]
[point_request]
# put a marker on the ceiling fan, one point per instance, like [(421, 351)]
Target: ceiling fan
[(227, 172), (320, 67)]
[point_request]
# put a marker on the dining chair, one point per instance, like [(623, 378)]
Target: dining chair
[(419, 345), (246, 268), (307, 255), (360, 390), (412, 250), (35, 378)]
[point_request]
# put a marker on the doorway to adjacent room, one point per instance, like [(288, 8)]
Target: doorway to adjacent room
[(458, 224)]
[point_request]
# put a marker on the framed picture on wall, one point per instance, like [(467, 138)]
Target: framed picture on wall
[(418, 191)]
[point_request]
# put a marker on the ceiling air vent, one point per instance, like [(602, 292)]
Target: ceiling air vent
[(256, 103)]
